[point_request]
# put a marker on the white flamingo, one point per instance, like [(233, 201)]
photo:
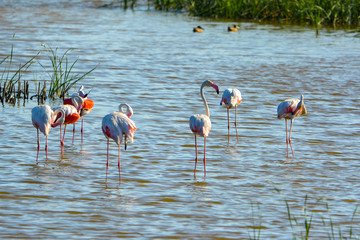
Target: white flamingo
[(291, 109), (69, 115), (115, 125), (42, 117), (85, 109), (231, 98), (200, 124)]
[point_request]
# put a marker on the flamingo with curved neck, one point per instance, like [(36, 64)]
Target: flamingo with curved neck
[(69, 114), (116, 125), (42, 118), (231, 98), (86, 108), (200, 124)]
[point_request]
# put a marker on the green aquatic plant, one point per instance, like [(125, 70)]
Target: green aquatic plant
[(313, 12), (11, 76), (328, 224), (61, 77), (256, 223), (302, 223), (294, 221)]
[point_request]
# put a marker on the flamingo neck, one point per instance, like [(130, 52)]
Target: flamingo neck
[(204, 100), (300, 107), (58, 120), (77, 102), (128, 110)]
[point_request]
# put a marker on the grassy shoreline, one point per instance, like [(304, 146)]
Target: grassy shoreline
[(314, 12), (317, 13)]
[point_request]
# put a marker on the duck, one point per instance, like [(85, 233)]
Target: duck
[(234, 28), (198, 29)]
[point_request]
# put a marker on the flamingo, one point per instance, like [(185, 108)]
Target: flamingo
[(231, 98), (115, 125), (42, 117), (291, 109), (200, 124), (86, 108), (69, 114)]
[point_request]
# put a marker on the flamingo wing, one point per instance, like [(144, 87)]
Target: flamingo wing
[(287, 108), (67, 101), (231, 98), (41, 117), (126, 125), (115, 124), (87, 106), (111, 129), (70, 112), (200, 124)]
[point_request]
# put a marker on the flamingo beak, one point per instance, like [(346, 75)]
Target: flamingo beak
[(216, 87), (87, 94)]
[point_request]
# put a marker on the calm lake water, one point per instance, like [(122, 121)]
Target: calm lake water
[(154, 62)]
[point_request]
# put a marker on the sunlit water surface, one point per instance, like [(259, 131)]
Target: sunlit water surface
[(154, 62)]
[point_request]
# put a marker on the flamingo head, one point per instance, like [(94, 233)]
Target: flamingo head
[(209, 83), (126, 109), (77, 102), (58, 118), (81, 92), (304, 112)]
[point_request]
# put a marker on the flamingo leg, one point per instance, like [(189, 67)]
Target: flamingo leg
[(46, 146), (38, 147), (228, 125), (38, 140), (237, 137), (60, 137), (63, 137), (292, 120), (62, 140), (204, 157), (73, 134), (196, 158), (119, 164), (82, 128), (107, 162), (287, 141)]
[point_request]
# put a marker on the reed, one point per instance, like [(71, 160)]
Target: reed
[(344, 13), (61, 77), (10, 78), (256, 223), (302, 223), (314, 12)]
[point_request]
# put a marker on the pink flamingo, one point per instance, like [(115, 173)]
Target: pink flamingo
[(42, 117), (200, 124), (69, 114), (290, 109), (85, 109), (115, 125), (231, 98)]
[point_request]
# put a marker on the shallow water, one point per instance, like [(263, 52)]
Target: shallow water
[(154, 62)]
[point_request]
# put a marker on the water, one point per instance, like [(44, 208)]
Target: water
[(154, 62)]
